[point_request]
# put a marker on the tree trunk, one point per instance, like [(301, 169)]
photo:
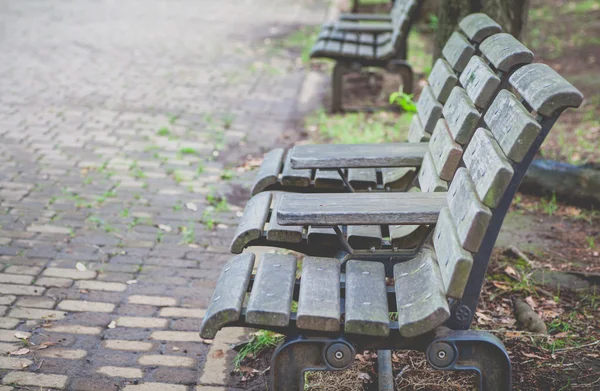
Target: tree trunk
[(510, 14)]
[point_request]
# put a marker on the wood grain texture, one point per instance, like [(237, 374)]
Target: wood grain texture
[(471, 218), (226, 303), (319, 299), (429, 180), (360, 208), (416, 133), (461, 115), (480, 82), (252, 223), (489, 168), (445, 152), (420, 295), (442, 80), (455, 262), (512, 125), (334, 156), (269, 170), (328, 179), (366, 299), (545, 90), (280, 233), (270, 301), (458, 51), (364, 236), (293, 177), (478, 27), (397, 178), (505, 52), (362, 178), (428, 109)]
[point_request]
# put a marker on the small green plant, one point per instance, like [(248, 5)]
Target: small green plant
[(138, 173), (164, 132), (227, 175), (178, 177), (261, 340), (218, 202), (177, 207), (228, 119), (188, 151), (188, 233), (433, 22), (200, 168), (173, 118), (124, 213), (549, 206), (591, 242), (405, 101)]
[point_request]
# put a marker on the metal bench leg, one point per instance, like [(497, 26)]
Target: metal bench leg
[(384, 370), (337, 87), (403, 69), (297, 355), (473, 351)]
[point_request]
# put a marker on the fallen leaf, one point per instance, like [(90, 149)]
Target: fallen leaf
[(531, 355), (191, 206), (502, 285), (25, 364), (20, 335), (511, 272), (43, 345), (19, 352), (364, 376), (532, 303), (483, 317), (80, 266), (164, 227), (112, 325), (175, 349), (129, 282), (218, 353), (561, 335), (207, 341)]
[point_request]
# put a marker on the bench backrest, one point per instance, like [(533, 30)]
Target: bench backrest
[(403, 14)]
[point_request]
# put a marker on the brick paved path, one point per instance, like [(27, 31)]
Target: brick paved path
[(115, 120)]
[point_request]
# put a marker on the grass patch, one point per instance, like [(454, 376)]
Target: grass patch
[(188, 151), (260, 341), (164, 132)]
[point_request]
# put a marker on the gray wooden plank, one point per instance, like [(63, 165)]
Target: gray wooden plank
[(455, 262), (505, 52), (319, 299), (270, 301), (362, 178), (545, 90), (328, 179), (458, 51), (349, 48), (365, 50), (480, 82), (269, 170), (428, 109), (367, 38), (420, 296), (489, 168), (442, 80), (397, 178), (362, 237), (367, 311), (445, 152), (461, 115), (293, 177), (512, 125), (252, 222), (360, 208), (471, 218), (416, 133), (280, 233), (320, 236), (407, 236), (429, 180), (318, 48), (478, 27), (226, 303), (358, 155), (333, 47)]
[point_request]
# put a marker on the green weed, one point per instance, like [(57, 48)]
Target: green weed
[(405, 101), (549, 206), (164, 132), (261, 340), (188, 151)]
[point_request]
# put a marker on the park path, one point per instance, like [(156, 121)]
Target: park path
[(117, 122)]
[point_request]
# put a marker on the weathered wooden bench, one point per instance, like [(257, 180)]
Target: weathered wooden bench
[(354, 45), (463, 108)]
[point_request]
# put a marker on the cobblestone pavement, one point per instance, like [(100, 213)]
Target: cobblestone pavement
[(117, 119)]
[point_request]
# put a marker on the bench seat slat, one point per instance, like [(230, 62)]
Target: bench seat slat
[(226, 303), (429, 109), (328, 179), (442, 80), (407, 236), (293, 177), (280, 233), (420, 295), (269, 170), (364, 236), (271, 297), (366, 299), (321, 236), (319, 299), (252, 221), (479, 81), (429, 180), (458, 51), (478, 27), (362, 178), (416, 133), (445, 152), (397, 178), (461, 115), (505, 52)]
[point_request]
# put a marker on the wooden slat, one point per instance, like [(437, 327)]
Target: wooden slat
[(397, 178), (505, 52), (358, 155), (360, 208), (383, 38), (428, 109), (512, 125), (318, 49), (545, 90), (407, 236), (270, 301), (364, 236), (490, 170), (328, 179), (349, 48), (367, 38), (458, 51), (269, 170), (461, 115), (416, 134), (478, 27), (445, 152), (420, 296), (333, 47), (252, 222), (365, 50), (442, 80), (366, 299), (429, 180), (471, 218), (319, 299), (319, 236), (280, 233), (480, 82), (362, 178), (226, 303), (455, 263), (293, 177)]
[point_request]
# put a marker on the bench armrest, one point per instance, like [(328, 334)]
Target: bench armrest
[(358, 155), (360, 208), (366, 17), (375, 28)]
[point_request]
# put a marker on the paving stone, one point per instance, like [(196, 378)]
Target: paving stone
[(15, 279), (6, 348), (54, 282), (48, 229), (82, 305), (14, 363), (35, 313), (74, 329), (121, 372), (7, 299), (216, 368), (9, 335), (21, 290), (134, 346), (35, 380), (36, 302), (68, 354), (101, 286), (166, 361), (183, 336), (177, 312), (69, 273), (19, 269), (8, 323), (151, 386), (158, 301), (133, 321)]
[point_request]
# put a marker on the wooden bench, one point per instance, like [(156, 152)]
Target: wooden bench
[(353, 44), (463, 108)]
